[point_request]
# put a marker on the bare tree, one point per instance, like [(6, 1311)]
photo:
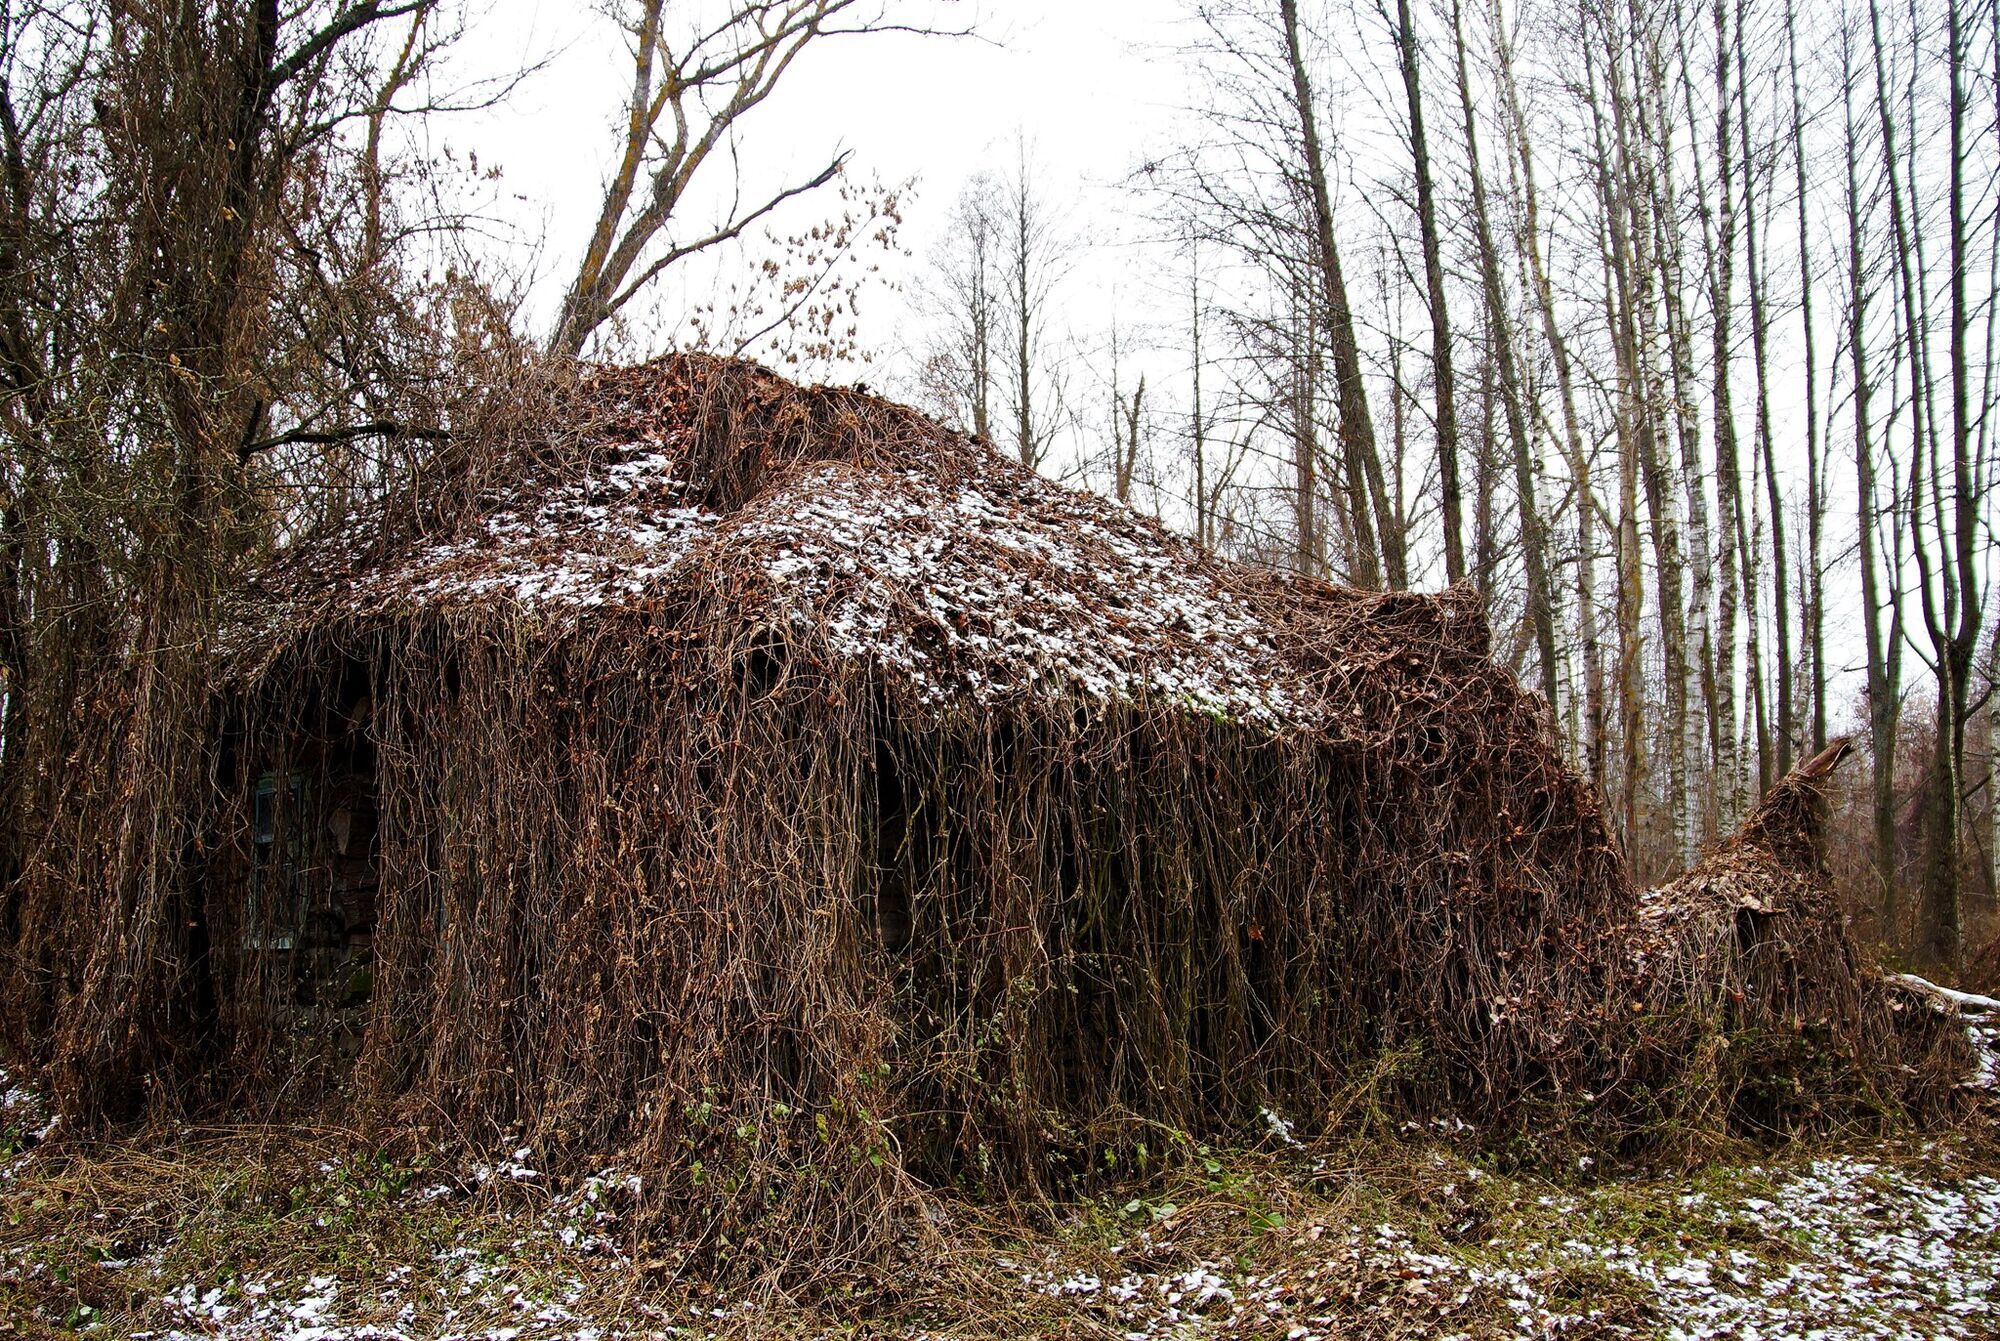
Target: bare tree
[(1357, 427), (1534, 547), (697, 76), (1036, 251), (1643, 119), (1774, 755), (1884, 647), (1442, 382), (213, 314), (1198, 420), (1732, 539), (1814, 586), (965, 289), (1127, 419), (1680, 294), (1659, 273), (1596, 727), (1945, 536)]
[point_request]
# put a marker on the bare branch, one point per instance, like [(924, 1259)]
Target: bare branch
[(379, 428)]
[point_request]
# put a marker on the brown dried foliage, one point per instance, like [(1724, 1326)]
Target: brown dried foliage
[(1757, 1013), (680, 882)]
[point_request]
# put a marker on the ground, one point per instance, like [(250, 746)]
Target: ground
[(307, 1236)]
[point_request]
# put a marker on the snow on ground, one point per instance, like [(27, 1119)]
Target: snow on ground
[(317, 1309), (1838, 1249), (1895, 1242), (542, 1281), (24, 1124)]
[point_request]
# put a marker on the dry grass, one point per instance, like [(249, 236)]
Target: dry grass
[(199, 1229)]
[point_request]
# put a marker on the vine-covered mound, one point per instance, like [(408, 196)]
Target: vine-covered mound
[(806, 805), (1758, 1012)]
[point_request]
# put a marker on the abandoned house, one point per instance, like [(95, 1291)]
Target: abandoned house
[(721, 771)]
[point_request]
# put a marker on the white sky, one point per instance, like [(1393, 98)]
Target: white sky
[(1091, 84)]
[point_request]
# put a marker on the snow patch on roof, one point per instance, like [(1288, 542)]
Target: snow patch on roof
[(605, 538), (994, 587), (977, 589)]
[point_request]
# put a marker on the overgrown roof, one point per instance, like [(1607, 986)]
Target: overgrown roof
[(831, 513)]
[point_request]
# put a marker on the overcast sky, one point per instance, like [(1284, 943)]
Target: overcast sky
[(1091, 84)]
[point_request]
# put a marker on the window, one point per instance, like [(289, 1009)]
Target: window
[(273, 914)]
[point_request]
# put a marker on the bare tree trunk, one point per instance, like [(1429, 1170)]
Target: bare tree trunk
[(1989, 865), (1815, 572), (1907, 274), (967, 292), (1646, 120), (1441, 373), (1308, 556), (980, 337), (1197, 416), (1357, 430), (1596, 730), (1732, 549), (1534, 550), (1401, 402), (1631, 599), (1693, 471), (1128, 463), (1485, 535), (1630, 410), (1628, 200), (1950, 604), (1781, 764), (1884, 653), (1126, 413), (1033, 250), (1753, 641), (689, 94), (1027, 439)]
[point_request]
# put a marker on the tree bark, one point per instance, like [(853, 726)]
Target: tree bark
[(1596, 726), (1815, 592), (1951, 604), (1884, 652), (1357, 429), (1541, 605), (1451, 506), (1631, 572), (1778, 764), (1732, 549)]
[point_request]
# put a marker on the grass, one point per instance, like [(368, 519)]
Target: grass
[(253, 1232)]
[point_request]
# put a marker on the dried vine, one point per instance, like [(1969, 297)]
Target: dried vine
[(802, 892)]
